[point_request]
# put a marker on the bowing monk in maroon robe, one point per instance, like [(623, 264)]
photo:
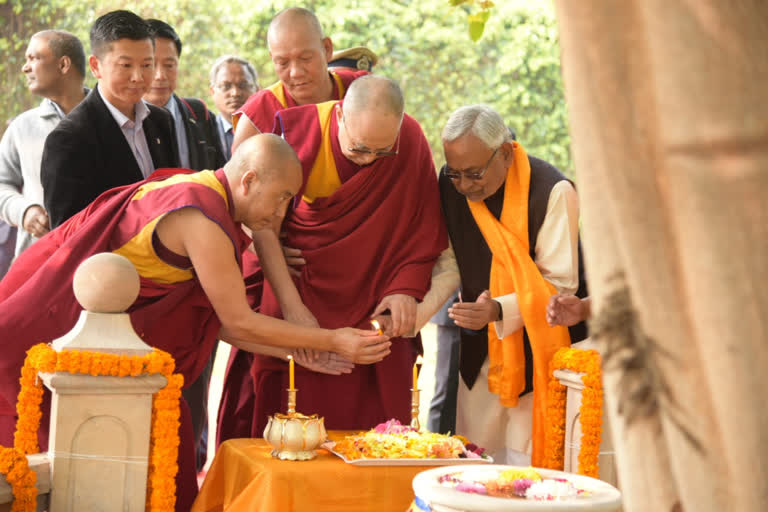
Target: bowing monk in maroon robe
[(369, 225), (300, 53), (183, 233)]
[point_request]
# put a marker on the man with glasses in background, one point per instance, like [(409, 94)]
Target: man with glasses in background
[(233, 81), (368, 223), (513, 223)]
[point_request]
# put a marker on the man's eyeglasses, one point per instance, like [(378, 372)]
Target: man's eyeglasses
[(243, 86), (456, 175), (366, 151)]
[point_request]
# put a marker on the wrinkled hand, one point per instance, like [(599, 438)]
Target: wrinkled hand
[(475, 315), (402, 309), (36, 221), (323, 362), (565, 310), (359, 346)]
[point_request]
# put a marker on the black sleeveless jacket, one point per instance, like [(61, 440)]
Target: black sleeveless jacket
[(474, 258)]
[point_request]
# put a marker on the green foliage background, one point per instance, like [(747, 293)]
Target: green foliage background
[(423, 44)]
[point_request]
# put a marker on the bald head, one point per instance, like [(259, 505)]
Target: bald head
[(268, 155), (371, 116), (373, 93), (294, 20), (263, 175), (300, 54)]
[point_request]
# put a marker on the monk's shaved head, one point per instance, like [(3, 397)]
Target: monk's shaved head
[(295, 19), (263, 175), (300, 53), (266, 154), (373, 93)]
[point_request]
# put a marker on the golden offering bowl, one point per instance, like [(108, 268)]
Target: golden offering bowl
[(295, 436)]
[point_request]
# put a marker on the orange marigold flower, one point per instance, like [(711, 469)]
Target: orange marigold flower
[(590, 414), (164, 439)]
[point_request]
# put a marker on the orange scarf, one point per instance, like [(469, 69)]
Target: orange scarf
[(513, 270)]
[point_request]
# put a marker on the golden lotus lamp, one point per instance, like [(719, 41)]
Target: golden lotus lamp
[(294, 436)]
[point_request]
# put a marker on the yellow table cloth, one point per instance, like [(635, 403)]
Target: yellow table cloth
[(245, 477)]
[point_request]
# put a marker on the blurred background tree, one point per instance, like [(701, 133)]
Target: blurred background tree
[(425, 45)]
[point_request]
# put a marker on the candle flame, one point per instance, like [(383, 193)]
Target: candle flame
[(377, 326), (419, 360), (290, 357)]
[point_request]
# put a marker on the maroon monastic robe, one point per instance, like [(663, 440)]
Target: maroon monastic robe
[(236, 406), (262, 106), (38, 304), (379, 234)]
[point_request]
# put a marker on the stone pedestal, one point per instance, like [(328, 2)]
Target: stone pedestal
[(100, 426), (99, 446)]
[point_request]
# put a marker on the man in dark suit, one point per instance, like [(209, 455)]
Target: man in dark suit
[(233, 81), (112, 138), (195, 126)]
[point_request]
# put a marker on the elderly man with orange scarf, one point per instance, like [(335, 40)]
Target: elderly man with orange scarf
[(513, 223)]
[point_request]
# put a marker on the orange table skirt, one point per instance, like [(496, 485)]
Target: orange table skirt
[(245, 477)]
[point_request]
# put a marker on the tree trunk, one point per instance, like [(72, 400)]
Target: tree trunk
[(669, 125)]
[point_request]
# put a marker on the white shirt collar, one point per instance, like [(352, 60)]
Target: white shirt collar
[(172, 108), (225, 123), (141, 112), (51, 108)]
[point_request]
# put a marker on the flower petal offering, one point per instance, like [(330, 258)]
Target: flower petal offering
[(513, 483), (500, 488), (391, 441)]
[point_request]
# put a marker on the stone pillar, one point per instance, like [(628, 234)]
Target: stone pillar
[(100, 426)]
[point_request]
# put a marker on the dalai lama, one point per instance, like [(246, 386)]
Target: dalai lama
[(300, 52), (368, 223)]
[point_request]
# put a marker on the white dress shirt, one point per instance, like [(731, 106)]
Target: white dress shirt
[(181, 131), (134, 133), (226, 135)]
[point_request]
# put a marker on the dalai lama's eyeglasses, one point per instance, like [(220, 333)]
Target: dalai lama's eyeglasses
[(363, 151), (474, 176)]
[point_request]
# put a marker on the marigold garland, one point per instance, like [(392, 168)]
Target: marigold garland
[(14, 465), (590, 413), (164, 441)]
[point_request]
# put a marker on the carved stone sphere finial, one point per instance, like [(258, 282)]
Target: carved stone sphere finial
[(106, 283)]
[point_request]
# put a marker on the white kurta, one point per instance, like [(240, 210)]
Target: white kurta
[(506, 432)]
